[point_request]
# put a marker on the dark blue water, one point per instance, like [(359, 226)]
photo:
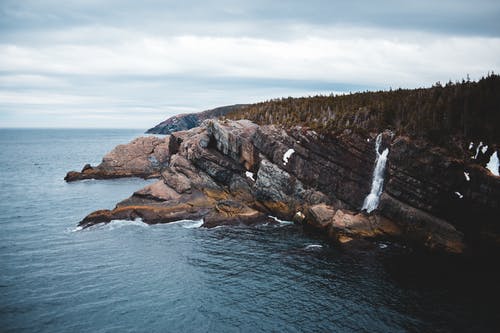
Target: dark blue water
[(129, 277)]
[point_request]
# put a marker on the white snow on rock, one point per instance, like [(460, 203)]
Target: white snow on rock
[(467, 177), (471, 145), (287, 155), (477, 149), (459, 195), (484, 149), (493, 164), (249, 175)]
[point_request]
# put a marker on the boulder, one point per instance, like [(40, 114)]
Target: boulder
[(143, 157)]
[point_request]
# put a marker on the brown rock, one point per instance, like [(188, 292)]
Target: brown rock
[(143, 157), (327, 177), (233, 212), (320, 216), (421, 227), (158, 191)]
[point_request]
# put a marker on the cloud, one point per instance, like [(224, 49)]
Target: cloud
[(347, 56), (71, 61)]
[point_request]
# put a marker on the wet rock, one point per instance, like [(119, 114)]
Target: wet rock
[(320, 216)]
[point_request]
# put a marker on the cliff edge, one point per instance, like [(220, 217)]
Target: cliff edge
[(349, 185)]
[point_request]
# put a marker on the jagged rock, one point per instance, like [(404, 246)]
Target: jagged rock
[(233, 212), (342, 225), (320, 216), (422, 227), (233, 138), (159, 191), (231, 172), (187, 121), (336, 167), (143, 157)]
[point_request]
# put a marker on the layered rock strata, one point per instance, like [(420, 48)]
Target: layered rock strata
[(231, 172)]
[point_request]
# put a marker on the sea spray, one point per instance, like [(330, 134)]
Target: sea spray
[(373, 198)]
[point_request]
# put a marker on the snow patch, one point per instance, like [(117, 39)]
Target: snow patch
[(249, 175), (493, 164), (484, 149), (459, 195), (477, 149), (287, 155), (466, 174), (471, 145)]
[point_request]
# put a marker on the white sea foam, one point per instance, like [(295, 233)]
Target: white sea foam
[(493, 164), (313, 247), (280, 221), (287, 155), (79, 228), (115, 224), (189, 224)]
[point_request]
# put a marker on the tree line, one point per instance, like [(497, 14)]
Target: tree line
[(466, 109)]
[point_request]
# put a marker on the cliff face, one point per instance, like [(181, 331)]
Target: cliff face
[(187, 121), (228, 172)]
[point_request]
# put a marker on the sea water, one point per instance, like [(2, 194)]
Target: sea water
[(131, 277)]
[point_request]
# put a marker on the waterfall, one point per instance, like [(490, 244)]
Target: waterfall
[(372, 199)]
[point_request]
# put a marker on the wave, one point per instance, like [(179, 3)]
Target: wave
[(313, 247), (281, 221), (188, 224)]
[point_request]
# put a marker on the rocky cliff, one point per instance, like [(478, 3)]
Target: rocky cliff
[(187, 121), (228, 172)]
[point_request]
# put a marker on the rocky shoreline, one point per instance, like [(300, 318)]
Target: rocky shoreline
[(232, 172)]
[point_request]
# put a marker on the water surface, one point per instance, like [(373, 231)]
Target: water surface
[(130, 277)]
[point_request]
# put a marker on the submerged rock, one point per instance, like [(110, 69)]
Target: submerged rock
[(204, 174)]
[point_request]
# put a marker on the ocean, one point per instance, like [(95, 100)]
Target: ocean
[(131, 277)]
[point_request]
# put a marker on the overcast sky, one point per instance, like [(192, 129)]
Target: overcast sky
[(131, 64)]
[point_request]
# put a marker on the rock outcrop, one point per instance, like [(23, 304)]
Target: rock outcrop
[(232, 172), (187, 121), (143, 157)]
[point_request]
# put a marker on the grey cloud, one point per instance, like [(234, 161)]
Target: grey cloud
[(87, 63), (253, 18)]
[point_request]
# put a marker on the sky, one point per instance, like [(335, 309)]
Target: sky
[(132, 64)]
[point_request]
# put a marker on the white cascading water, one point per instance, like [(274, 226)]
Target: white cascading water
[(372, 199)]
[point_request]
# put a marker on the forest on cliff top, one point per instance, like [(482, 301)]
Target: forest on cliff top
[(466, 109)]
